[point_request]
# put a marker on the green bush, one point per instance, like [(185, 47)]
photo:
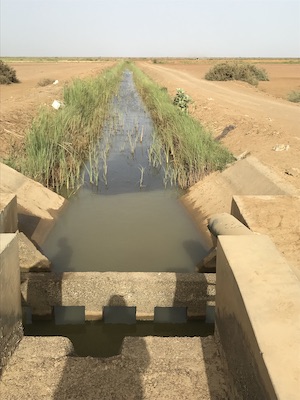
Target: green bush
[(237, 71), (294, 96), (182, 100), (7, 74)]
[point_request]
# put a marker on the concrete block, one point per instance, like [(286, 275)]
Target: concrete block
[(8, 213), (145, 291), (38, 207), (10, 298), (31, 260), (275, 216), (257, 318)]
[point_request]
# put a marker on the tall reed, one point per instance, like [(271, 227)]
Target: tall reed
[(184, 144), (59, 141)]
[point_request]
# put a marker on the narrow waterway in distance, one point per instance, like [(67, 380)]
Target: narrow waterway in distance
[(131, 220)]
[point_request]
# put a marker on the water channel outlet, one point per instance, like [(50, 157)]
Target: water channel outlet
[(129, 219)]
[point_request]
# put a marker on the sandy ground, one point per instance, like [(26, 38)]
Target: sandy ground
[(261, 121), (261, 117), (20, 102)]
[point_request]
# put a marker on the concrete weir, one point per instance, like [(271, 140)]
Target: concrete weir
[(254, 353), (94, 290)]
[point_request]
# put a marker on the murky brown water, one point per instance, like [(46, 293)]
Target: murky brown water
[(132, 219)]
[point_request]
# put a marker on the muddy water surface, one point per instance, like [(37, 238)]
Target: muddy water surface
[(130, 219)]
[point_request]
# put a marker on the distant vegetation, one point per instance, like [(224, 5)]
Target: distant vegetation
[(294, 96), (237, 71), (59, 142), (7, 74), (182, 145)]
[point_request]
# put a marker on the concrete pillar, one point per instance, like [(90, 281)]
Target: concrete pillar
[(11, 330), (8, 213), (257, 318)]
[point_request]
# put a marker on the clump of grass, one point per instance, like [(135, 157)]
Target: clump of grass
[(45, 82), (59, 141), (238, 71), (294, 96), (7, 74), (188, 150)]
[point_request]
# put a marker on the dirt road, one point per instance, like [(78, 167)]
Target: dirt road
[(261, 121)]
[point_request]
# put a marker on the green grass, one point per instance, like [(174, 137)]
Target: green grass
[(294, 96), (60, 141), (189, 151)]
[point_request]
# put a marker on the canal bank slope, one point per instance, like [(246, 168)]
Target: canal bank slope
[(255, 195)]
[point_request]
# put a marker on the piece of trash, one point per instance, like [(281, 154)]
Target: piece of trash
[(281, 147), (56, 104), (55, 82), (293, 172)]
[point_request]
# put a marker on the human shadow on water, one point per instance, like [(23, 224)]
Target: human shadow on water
[(61, 260), (114, 378)]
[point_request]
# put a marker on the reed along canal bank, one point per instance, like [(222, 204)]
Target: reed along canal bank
[(129, 218)]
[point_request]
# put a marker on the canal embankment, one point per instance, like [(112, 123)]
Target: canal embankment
[(257, 308)]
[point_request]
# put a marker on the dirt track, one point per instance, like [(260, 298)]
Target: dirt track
[(261, 121)]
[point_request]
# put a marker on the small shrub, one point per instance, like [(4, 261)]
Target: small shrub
[(4, 80), (294, 96), (238, 71), (7, 74), (182, 100), (45, 82)]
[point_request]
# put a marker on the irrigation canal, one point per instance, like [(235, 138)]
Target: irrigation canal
[(130, 219)]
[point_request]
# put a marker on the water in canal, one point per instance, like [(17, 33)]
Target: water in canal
[(132, 219), (129, 219)]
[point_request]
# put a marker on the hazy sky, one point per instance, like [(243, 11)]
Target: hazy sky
[(150, 28)]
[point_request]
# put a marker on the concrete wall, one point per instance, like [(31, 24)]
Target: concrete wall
[(94, 290), (214, 193), (257, 319), (38, 207), (11, 330), (8, 213)]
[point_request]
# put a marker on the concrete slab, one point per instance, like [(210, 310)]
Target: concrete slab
[(143, 290), (148, 368), (11, 330), (275, 216), (38, 207), (214, 193), (8, 213), (31, 260), (257, 318)]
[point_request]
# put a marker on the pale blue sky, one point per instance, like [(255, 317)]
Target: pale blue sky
[(150, 28)]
